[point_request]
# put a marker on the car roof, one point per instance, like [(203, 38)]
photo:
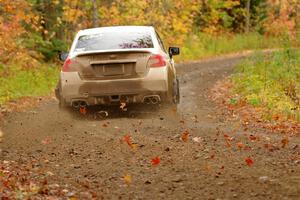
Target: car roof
[(115, 29)]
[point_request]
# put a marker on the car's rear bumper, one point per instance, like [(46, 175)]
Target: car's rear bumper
[(95, 92)]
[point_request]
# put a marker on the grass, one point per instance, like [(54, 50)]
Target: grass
[(16, 82), (271, 81), (204, 45)]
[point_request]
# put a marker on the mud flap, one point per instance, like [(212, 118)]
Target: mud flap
[(176, 92), (61, 101)]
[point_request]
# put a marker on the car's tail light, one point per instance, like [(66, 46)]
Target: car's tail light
[(157, 60), (66, 66)]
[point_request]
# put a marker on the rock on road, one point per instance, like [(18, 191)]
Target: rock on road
[(79, 150)]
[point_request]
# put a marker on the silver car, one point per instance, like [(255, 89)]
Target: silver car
[(121, 64)]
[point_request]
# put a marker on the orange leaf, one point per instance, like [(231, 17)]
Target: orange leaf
[(127, 139), (155, 161), (133, 146), (284, 142), (252, 137), (240, 145), (185, 136), (127, 178), (249, 161), (228, 144), (104, 125)]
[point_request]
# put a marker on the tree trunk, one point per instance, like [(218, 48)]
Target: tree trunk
[(95, 14), (248, 16)]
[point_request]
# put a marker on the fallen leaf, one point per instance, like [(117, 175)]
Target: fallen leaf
[(197, 139), (185, 136), (133, 146), (46, 141), (50, 173), (249, 161), (240, 145), (228, 144), (253, 138), (284, 142), (127, 178), (104, 125), (155, 161), (127, 139), (207, 168)]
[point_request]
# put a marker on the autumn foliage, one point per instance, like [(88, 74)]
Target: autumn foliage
[(40, 29)]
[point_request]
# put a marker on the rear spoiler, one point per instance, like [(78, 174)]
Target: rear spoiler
[(86, 53)]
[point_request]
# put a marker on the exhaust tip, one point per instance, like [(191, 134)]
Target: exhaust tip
[(75, 104), (78, 104), (152, 99), (83, 104), (147, 100)]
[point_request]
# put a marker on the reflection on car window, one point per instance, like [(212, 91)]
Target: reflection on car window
[(114, 40)]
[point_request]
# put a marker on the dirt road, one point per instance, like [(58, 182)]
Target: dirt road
[(89, 155)]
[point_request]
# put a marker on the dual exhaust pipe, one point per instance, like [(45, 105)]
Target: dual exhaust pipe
[(79, 104), (152, 99)]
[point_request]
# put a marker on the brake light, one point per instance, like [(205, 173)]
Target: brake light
[(157, 60), (66, 66)]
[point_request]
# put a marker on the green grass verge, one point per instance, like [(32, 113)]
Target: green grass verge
[(204, 45), (16, 82), (272, 81)]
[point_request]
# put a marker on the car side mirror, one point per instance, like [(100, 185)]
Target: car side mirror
[(174, 51), (63, 56)]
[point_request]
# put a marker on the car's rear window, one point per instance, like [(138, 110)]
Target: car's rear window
[(114, 40)]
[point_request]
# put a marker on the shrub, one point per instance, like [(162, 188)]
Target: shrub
[(271, 80)]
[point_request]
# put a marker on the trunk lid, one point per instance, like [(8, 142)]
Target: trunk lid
[(112, 65)]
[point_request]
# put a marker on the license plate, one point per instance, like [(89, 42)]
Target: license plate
[(111, 69)]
